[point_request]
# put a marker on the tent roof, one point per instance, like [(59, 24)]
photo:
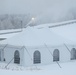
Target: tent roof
[(68, 32), (33, 36)]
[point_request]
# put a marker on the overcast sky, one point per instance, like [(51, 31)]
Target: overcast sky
[(37, 7), (33, 6)]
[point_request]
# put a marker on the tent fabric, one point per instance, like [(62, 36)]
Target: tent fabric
[(33, 36)]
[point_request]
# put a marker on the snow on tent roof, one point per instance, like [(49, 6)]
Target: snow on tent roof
[(32, 36), (66, 29), (68, 32)]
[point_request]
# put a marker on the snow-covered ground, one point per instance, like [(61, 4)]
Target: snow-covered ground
[(68, 68), (9, 33)]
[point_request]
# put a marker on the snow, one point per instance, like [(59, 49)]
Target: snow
[(69, 22), (5, 35), (9, 30), (68, 32), (53, 69)]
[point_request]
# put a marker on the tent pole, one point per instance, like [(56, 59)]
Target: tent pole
[(4, 46), (3, 50), (52, 55), (11, 59), (29, 55), (28, 52), (9, 62), (67, 48)]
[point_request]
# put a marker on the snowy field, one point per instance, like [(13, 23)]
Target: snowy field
[(68, 68)]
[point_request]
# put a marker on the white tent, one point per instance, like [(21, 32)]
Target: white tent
[(35, 39)]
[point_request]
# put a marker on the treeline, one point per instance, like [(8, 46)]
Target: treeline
[(18, 21), (14, 21)]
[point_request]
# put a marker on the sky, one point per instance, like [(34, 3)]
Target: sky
[(34, 6), (47, 9)]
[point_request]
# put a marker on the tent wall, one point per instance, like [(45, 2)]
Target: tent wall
[(27, 54), (46, 57), (9, 54)]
